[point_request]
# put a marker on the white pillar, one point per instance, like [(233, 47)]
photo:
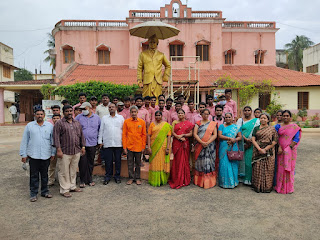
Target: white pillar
[(1, 105)]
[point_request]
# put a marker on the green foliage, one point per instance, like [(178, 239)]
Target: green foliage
[(303, 113), (295, 51), (294, 117), (22, 75), (247, 89), (306, 124), (47, 91), (94, 88), (274, 105), (51, 45)]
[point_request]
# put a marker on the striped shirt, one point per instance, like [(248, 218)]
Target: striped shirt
[(68, 136)]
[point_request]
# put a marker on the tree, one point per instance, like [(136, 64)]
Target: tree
[(295, 51), (22, 75), (50, 58)]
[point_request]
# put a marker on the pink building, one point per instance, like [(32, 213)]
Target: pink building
[(202, 33)]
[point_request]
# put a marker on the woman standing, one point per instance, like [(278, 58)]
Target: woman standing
[(229, 135), (180, 170), (257, 112), (247, 124), (205, 132), (264, 140), (159, 136), (289, 139), (279, 118)]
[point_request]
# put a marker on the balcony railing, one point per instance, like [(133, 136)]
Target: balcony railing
[(251, 25), (92, 23), (206, 14), (144, 14)]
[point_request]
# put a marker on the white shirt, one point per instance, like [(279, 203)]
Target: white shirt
[(13, 109), (110, 133), (102, 110)]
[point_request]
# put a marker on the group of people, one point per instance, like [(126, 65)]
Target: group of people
[(202, 143)]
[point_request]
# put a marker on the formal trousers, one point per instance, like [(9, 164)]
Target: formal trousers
[(134, 165), (86, 164), (110, 155), (38, 167), (67, 175)]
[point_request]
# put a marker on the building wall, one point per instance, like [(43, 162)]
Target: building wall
[(311, 56), (6, 54)]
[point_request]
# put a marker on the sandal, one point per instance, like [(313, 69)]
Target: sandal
[(138, 182), (82, 185), (76, 190), (33, 199), (92, 184), (66, 195), (47, 195)]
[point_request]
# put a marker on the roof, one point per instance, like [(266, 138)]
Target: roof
[(9, 65), (122, 74), (29, 82)]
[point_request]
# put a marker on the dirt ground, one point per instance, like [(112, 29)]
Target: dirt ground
[(144, 212)]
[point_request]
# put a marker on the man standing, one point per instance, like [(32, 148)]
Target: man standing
[(69, 141), (165, 113), (169, 107), (120, 107), (197, 117), (115, 100), (36, 145), (142, 112), (192, 112), (126, 109), (147, 106), (183, 106), (13, 111), (82, 99), (230, 103), (90, 123), (134, 137), (94, 103), (53, 162), (55, 111), (18, 110), (174, 115), (218, 115), (210, 105), (223, 103), (103, 109), (153, 101), (65, 102), (110, 138)]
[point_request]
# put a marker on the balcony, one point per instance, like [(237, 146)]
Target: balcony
[(250, 25), (144, 14), (206, 14)]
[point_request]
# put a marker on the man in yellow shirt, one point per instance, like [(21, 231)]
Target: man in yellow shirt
[(149, 70), (134, 142)]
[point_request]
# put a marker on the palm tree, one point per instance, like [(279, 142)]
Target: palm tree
[(295, 51), (50, 58)]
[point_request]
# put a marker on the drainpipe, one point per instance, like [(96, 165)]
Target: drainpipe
[(1, 105)]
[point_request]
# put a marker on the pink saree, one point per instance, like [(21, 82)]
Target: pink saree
[(287, 160)]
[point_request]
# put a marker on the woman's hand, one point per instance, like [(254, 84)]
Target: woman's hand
[(183, 139), (149, 151), (248, 140), (262, 151), (205, 144), (167, 151)]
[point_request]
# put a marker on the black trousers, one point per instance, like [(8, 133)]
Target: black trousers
[(134, 165), (38, 167), (86, 164), (110, 155)]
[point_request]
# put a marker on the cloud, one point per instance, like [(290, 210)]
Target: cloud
[(293, 17)]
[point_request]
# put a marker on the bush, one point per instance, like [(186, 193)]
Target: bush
[(94, 88), (303, 113), (274, 106)]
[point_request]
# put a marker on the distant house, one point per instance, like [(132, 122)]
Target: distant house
[(311, 59), (282, 58)]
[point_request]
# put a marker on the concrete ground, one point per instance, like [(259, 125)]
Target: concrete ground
[(144, 212)]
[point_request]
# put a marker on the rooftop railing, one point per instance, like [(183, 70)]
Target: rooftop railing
[(144, 14), (92, 23), (251, 25), (206, 14)]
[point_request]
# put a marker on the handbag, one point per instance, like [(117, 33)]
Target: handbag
[(235, 155)]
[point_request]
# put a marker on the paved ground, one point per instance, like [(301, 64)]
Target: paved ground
[(143, 212)]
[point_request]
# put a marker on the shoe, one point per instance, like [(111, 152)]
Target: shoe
[(47, 195), (106, 182), (130, 182), (66, 195), (138, 182), (118, 181), (76, 190), (33, 199), (82, 185)]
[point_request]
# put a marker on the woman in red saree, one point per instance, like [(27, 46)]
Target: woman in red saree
[(289, 139), (180, 170)]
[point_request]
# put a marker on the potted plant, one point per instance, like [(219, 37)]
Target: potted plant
[(303, 114)]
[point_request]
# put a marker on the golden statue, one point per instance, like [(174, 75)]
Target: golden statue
[(150, 69)]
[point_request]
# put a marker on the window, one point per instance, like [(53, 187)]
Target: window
[(313, 69), (166, 13), (176, 50), (303, 100), (203, 52), (6, 72), (259, 56), (103, 57), (68, 55), (185, 13), (229, 56), (264, 100)]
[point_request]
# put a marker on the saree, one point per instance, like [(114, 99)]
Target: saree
[(159, 162), (245, 167), (287, 160), (205, 175), (180, 169), (228, 170), (263, 164)]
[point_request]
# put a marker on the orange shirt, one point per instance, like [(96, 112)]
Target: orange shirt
[(134, 135)]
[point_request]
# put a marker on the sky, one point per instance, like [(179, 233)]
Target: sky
[(24, 24)]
